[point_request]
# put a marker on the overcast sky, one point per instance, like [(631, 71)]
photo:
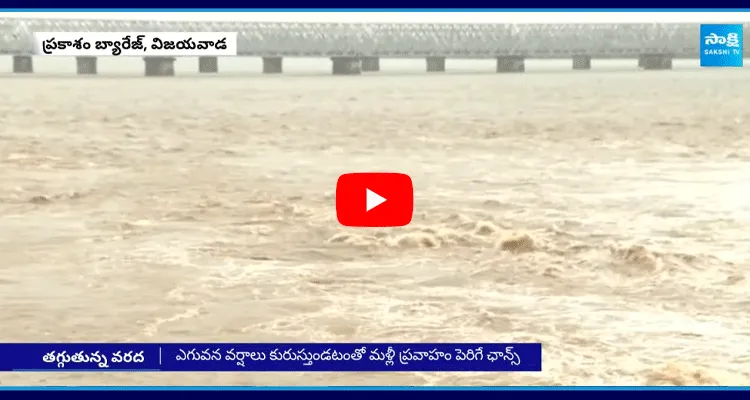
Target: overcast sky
[(433, 17)]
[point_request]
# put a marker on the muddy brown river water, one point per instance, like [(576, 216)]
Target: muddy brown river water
[(602, 213)]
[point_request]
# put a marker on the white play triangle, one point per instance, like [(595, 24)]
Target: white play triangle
[(373, 200)]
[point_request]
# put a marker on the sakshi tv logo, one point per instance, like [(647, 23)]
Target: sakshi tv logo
[(721, 45)]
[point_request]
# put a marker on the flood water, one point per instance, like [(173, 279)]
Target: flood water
[(603, 213)]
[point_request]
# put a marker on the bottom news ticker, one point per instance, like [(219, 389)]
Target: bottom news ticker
[(290, 357)]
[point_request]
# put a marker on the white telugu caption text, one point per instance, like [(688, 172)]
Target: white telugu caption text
[(135, 44)]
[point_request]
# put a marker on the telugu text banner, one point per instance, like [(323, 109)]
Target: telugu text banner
[(271, 357), (135, 44)]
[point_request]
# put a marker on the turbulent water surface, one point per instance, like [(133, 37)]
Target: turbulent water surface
[(602, 213)]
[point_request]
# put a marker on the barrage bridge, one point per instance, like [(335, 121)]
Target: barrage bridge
[(354, 48)]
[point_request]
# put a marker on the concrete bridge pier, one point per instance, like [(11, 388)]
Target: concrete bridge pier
[(435, 64), (23, 64), (208, 65), (370, 64), (159, 66), (581, 62), (654, 61), (347, 65), (273, 65), (86, 65), (510, 64)]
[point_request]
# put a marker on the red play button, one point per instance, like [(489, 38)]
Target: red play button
[(374, 199)]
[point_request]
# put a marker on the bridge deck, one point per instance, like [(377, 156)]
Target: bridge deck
[(398, 39)]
